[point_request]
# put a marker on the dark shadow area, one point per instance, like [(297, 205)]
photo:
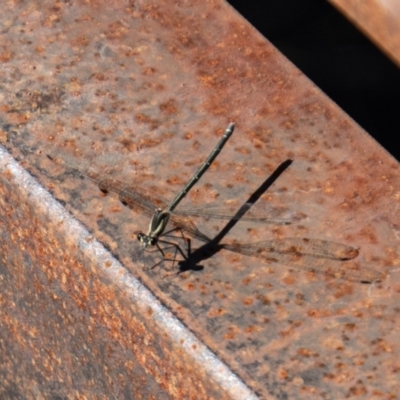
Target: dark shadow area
[(209, 249), (337, 57)]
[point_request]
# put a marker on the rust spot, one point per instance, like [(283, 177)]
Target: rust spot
[(216, 313), (232, 332), (149, 71), (282, 373), (128, 144), (150, 311), (242, 150), (289, 280), (6, 55), (251, 329), (344, 290), (358, 390), (306, 352), (145, 119), (230, 336), (190, 286), (7, 174), (116, 30), (80, 41), (99, 77), (246, 281), (381, 346), (175, 180), (368, 233), (169, 107), (318, 313), (248, 301), (263, 299)]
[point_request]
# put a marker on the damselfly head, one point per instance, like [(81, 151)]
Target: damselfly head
[(146, 240)]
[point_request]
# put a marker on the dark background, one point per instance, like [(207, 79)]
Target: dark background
[(337, 57)]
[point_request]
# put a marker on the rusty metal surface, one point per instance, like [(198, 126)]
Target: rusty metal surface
[(379, 19), (77, 324), (143, 90)]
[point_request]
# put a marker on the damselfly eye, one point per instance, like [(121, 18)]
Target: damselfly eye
[(146, 240)]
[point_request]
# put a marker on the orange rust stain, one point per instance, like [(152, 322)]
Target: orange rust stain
[(246, 281), (169, 107), (229, 336), (148, 143), (232, 332), (299, 299), (149, 71), (282, 373), (16, 118), (380, 346), (368, 233), (358, 389), (207, 79), (6, 55), (251, 329), (289, 280), (307, 352), (80, 41), (344, 290), (116, 30), (145, 119), (99, 77), (7, 174), (242, 150), (175, 180), (286, 333), (128, 144), (248, 301), (190, 286), (263, 299), (216, 313), (74, 87), (350, 327), (318, 313)]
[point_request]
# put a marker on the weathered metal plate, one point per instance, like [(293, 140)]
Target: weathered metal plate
[(379, 19), (76, 323), (143, 91)]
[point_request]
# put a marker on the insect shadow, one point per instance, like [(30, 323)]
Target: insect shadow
[(193, 259), (314, 255)]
